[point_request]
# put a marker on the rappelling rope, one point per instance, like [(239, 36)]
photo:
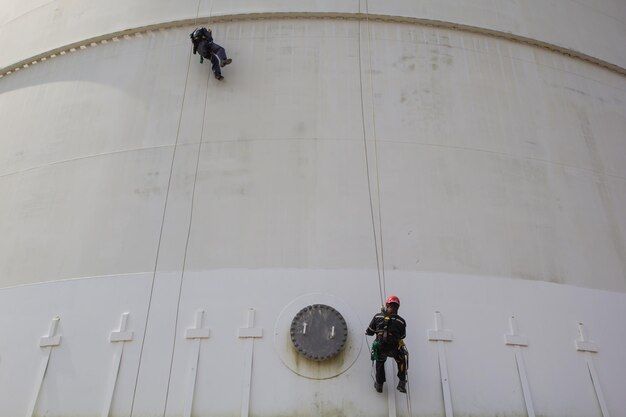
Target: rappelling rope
[(408, 394), (379, 264), (156, 261), (367, 342), (408, 386), (193, 197), (380, 267), (373, 107)]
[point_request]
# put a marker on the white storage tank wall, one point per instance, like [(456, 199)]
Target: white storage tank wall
[(594, 28), (553, 122), (500, 168)]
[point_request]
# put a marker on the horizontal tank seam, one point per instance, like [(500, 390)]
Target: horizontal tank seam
[(29, 284), (137, 31), (85, 157), (291, 139), (505, 154), (403, 142), (612, 292), (7, 174)]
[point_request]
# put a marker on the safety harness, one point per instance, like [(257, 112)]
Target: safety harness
[(386, 339)]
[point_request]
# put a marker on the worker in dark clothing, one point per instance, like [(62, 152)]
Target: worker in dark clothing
[(202, 40), (390, 330)]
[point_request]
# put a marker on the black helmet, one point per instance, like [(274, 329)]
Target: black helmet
[(198, 34)]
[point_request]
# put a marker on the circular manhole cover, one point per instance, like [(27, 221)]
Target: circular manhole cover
[(318, 332)]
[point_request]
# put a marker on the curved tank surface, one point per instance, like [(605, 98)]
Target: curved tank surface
[(176, 245)]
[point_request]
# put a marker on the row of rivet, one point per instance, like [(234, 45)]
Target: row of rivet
[(380, 18), (115, 38)]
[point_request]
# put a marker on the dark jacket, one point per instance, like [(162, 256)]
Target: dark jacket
[(388, 328)]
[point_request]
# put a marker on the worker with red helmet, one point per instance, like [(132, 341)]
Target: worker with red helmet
[(390, 330)]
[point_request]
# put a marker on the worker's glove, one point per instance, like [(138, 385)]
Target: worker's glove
[(201, 59)]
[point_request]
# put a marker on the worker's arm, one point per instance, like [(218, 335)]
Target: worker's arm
[(371, 329), (399, 326)]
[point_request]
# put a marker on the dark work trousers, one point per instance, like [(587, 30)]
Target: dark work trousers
[(400, 359), (214, 52)]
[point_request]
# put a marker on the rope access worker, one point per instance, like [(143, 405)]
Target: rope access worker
[(202, 40), (390, 330)]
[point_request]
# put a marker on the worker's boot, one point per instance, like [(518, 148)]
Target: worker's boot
[(402, 386), (225, 62), (378, 387), (219, 77)]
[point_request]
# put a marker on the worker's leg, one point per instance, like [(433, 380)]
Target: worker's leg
[(380, 373), (400, 359), (221, 54), (219, 51), (215, 66), (380, 368)]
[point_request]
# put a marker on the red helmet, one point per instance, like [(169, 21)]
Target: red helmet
[(393, 299)]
